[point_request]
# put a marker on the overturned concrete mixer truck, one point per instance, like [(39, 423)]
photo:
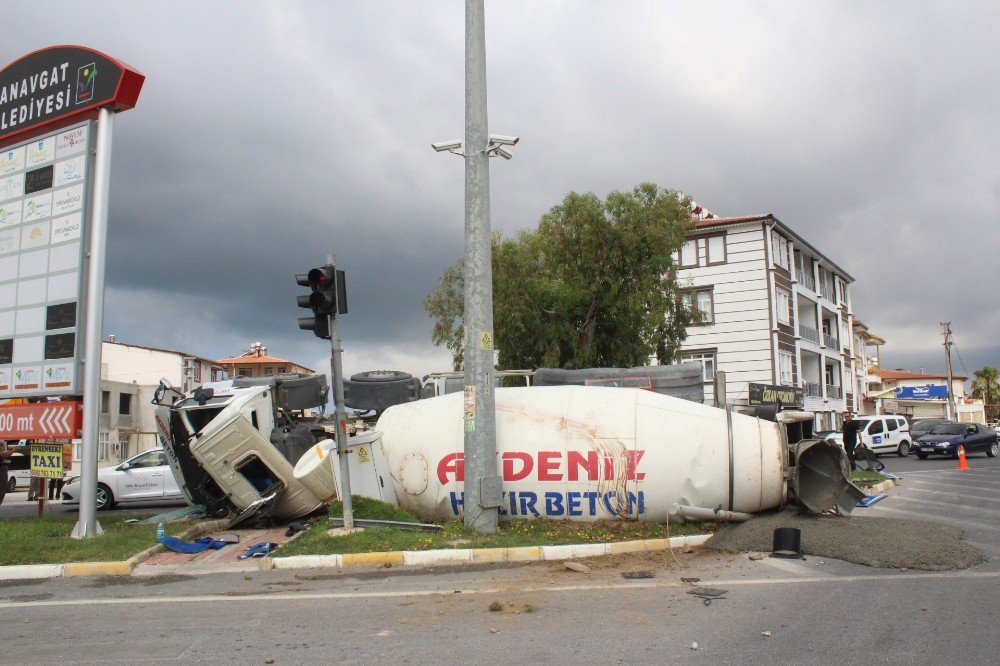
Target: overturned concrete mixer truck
[(578, 452)]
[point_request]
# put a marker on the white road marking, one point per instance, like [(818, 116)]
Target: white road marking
[(334, 596)]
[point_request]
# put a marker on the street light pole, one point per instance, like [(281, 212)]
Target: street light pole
[(483, 491)]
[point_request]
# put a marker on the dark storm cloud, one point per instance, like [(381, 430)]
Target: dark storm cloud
[(269, 134)]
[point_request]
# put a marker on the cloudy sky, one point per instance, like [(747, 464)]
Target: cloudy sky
[(271, 133)]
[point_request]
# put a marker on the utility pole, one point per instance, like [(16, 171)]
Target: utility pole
[(952, 409), (483, 490)]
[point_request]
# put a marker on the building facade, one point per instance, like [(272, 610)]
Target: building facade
[(776, 311), (925, 396)]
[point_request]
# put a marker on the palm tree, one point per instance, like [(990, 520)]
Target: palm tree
[(986, 385)]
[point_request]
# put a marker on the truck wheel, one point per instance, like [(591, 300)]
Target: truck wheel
[(380, 376), (904, 449)]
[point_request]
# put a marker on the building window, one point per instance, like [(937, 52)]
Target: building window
[(268, 372), (784, 368), (244, 372), (701, 300), (780, 246), (124, 404), (197, 371), (689, 254), (105, 402), (122, 451), (715, 249), (707, 360), (102, 445), (784, 306)]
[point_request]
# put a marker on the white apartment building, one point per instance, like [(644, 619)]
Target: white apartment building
[(776, 312)]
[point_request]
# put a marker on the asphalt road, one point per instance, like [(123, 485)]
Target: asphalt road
[(779, 611), (16, 505)]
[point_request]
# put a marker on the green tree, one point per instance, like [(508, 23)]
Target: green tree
[(594, 285), (986, 385)]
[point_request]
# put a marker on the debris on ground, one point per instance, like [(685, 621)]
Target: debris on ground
[(690, 580), (694, 646), (576, 566), (708, 594), (636, 575), (869, 540), (756, 556)]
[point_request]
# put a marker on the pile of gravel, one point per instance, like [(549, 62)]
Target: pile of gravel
[(875, 542)]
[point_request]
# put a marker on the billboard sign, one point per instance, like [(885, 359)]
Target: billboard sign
[(927, 392), (44, 206), (62, 85)]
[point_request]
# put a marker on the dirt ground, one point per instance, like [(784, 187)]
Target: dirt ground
[(876, 542)]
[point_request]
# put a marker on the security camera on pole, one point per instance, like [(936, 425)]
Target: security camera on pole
[(328, 300)]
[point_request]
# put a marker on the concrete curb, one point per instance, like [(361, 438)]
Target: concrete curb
[(882, 487), (446, 556), (122, 568)]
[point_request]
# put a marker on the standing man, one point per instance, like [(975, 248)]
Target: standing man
[(850, 430)]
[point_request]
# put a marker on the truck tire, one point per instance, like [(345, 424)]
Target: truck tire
[(380, 376)]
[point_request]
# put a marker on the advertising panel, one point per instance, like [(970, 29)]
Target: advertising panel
[(42, 277), (927, 392)]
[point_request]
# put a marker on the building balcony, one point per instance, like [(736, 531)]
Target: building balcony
[(831, 341), (805, 280), (833, 391), (827, 292), (811, 389), (808, 333)]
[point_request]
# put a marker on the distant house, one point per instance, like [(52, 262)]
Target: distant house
[(255, 362)]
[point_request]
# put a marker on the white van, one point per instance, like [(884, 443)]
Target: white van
[(882, 434), (18, 472)]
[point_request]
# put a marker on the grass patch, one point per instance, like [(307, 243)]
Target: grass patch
[(537, 532), (865, 478), (47, 540)]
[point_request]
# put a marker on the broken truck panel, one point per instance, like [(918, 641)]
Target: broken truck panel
[(591, 453)]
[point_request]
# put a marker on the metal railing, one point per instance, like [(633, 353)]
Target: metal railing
[(805, 279), (833, 391), (809, 333), (831, 341), (811, 389)]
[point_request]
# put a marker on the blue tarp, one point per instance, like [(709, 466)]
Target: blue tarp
[(189, 547)]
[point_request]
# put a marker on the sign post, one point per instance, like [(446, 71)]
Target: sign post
[(54, 188)]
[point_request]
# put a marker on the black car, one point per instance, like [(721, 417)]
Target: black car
[(921, 427), (946, 438)]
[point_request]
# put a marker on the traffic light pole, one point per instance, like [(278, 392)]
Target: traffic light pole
[(340, 413)]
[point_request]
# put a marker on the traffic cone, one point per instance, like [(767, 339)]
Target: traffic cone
[(961, 458)]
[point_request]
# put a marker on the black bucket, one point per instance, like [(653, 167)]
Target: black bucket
[(787, 542)]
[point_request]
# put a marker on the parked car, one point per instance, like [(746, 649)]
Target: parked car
[(141, 478), (946, 438), (18, 472), (921, 427), (881, 434)]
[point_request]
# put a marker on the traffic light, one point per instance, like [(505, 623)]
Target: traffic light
[(318, 280), (328, 297)]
